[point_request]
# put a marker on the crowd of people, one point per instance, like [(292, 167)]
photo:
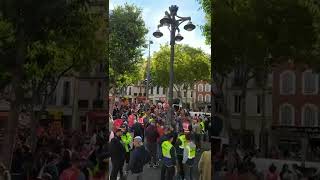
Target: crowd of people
[(67, 156), (137, 136), (140, 135), (231, 163)]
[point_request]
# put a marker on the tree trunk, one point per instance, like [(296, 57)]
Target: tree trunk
[(16, 100), (186, 96), (243, 114), (34, 124), (263, 141), (263, 129)]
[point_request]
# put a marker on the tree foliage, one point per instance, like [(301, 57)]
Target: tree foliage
[(126, 40), (207, 8), (190, 65), (247, 32), (40, 41), (252, 29)]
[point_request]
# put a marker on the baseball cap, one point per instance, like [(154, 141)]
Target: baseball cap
[(138, 138)]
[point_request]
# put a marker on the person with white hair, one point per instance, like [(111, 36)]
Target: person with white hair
[(138, 158)]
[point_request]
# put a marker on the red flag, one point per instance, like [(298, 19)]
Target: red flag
[(141, 121), (117, 123)]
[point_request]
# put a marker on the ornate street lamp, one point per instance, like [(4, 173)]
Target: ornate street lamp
[(173, 21)]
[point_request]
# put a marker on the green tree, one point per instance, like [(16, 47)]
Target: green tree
[(126, 41), (191, 65), (51, 38), (252, 30), (135, 76), (207, 8)]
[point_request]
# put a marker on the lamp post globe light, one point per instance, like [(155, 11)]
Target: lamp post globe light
[(173, 21)]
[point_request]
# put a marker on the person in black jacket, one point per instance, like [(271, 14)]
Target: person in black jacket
[(117, 154), (169, 159), (137, 129), (138, 158)]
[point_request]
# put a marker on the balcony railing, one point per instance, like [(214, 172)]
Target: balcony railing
[(83, 104), (97, 104)]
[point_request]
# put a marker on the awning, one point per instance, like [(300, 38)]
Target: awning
[(4, 113), (296, 130), (57, 115), (100, 116)]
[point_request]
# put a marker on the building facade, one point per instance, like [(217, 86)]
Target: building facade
[(255, 113), (296, 103), (136, 94), (202, 96)]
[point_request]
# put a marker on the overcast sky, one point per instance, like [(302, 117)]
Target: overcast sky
[(153, 11)]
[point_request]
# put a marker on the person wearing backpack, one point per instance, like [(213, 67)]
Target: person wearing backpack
[(140, 156)]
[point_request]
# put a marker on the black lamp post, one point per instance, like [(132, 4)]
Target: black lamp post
[(148, 72), (172, 20)]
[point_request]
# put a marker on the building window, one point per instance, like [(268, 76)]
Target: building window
[(83, 103), (191, 94), (135, 94), (309, 115), (66, 93), (208, 98), (130, 91), (259, 104), (207, 88), (218, 107), (101, 68), (158, 90), (163, 91), (237, 104), (99, 89), (309, 82), (200, 87), (185, 94), (200, 98), (287, 83), (286, 115), (151, 90), (53, 98)]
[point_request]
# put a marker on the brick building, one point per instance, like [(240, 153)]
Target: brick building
[(296, 103), (202, 96)]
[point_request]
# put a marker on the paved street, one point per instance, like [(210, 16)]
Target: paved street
[(151, 173)]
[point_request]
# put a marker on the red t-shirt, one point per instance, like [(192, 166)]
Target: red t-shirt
[(70, 174), (160, 132)]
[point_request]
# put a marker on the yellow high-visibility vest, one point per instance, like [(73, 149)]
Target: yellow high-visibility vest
[(202, 126), (191, 151), (166, 147), (126, 139), (183, 140)]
